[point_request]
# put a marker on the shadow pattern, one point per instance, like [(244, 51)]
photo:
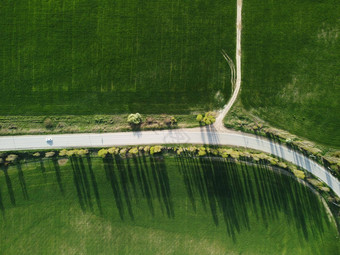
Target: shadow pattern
[(232, 193)]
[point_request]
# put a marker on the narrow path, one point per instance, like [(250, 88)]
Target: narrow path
[(219, 126)]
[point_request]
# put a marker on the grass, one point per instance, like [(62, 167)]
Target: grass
[(15, 125), (240, 119), (291, 62), (111, 57), (159, 206)]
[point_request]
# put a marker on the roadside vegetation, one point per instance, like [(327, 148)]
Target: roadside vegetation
[(130, 200), (240, 119), (55, 124), (234, 154), (291, 63)]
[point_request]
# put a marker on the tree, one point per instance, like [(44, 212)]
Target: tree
[(134, 119), (207, 119)]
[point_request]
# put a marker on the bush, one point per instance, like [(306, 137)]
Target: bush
[(207, 119), (11, 158), (199, 117), (134, 119), (49, 154), (133, 150), (48, 123), (102, 153), (170, 121)]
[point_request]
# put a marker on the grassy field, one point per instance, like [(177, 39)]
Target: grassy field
[(105, 57), (290, 54), (158, 206)]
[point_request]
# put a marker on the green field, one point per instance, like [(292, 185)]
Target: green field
[(156, 205), (106, 57), (290, 60)]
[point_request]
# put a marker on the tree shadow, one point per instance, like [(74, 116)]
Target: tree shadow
[(76, 182), (42, 166), (94, 184), (9, 185), (234, 191), (57, 173), (143, 183), (161, 177), (85, 181), (109, 169), (2, 207), (124, 181), (22, 181)]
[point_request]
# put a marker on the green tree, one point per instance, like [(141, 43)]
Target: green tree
[(134, 119)]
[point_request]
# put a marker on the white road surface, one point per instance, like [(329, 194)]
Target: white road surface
[(179, 136)]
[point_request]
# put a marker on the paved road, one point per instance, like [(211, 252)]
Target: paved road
[(178, 136)]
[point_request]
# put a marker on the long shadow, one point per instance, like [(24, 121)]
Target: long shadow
[(232, 191), (42, 166), (164, 184), (109, 169), (146, 170), (124, 180), (94, 184), (2, 207), (138, 175), (9, 185), (57, 173), (85, 182), (80, 180), (186, 179), (210, 185), (132, 179), (22, 181), (77, 185), (144, 184), (155, 181)]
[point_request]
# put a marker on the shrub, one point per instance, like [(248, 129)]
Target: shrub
[(202, 152), (11, 158), (48, 123), (207, 119), (134, 150), (49, 154), (113, 150), (170, 121), (102, 153), (134, 119), (82, 152), (199, 117), (123, 151), (299, 174), (155, 149), (63, 153)]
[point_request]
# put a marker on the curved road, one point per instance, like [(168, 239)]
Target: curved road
[(205, 135), (217, 134)]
